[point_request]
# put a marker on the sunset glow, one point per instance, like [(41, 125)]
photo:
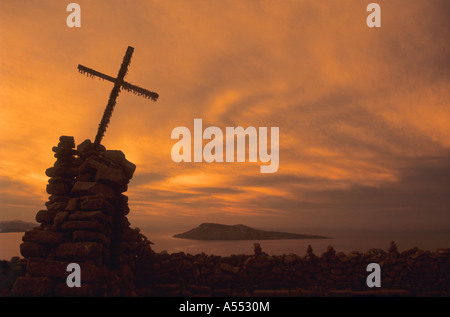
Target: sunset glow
[(363, 114)]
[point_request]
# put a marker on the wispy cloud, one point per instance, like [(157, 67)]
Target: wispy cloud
[(363, 113)]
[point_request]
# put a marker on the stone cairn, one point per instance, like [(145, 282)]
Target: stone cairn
[(85, 223)]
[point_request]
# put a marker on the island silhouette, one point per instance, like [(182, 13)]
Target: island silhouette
[(16, 226), (215, 231)]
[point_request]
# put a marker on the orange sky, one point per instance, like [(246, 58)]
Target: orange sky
[(363, 113)]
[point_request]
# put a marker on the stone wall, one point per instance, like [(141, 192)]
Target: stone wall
[(410, 273)]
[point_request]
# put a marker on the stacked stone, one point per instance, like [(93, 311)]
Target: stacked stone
[(411, 272), (85, 223), (40, 241)]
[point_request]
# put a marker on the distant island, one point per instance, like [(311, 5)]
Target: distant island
[(16, 226), (215, 231)]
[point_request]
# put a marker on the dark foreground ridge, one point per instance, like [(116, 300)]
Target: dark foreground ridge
[(215, 231)]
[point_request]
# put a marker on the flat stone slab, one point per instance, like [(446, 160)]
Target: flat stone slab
[(82, 225), (88, 215), (43, 237), (31, 249), (84, 235)]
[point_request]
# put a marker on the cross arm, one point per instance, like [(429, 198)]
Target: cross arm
[(127, 86)]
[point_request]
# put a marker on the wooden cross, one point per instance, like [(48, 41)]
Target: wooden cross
[(119, 83)]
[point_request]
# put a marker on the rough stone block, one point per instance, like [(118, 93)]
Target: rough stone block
[(90, 165), (92, 188), (79, 251), (72, 205), (57, 199), (88, 215), (92, 202), (82, 225), (59, 219), (112, 177), (56, 206), (86, 177), (58, 189), (119, 158), (123, 208), (82, 188), (31, 249), (67, 141), (55, 180), (62, 171), (43, 237), (83, 235), (87, 146), (64, 151), (32, 286), (50, 172), (46, 216)]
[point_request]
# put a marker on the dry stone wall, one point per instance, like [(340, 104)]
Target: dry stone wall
[(412, 272), (85, 223)]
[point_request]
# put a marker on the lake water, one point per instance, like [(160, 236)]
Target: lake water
[(344, 241)]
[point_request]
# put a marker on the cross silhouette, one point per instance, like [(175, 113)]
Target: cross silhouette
[(119, 83)]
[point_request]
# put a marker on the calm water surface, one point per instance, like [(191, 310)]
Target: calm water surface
[(341, 240)]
